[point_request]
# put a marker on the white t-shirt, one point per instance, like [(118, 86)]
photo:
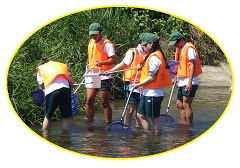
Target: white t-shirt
[(191, 54), (154, 64), (110, 50)]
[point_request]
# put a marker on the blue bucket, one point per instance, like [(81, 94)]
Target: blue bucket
[(38, 98)]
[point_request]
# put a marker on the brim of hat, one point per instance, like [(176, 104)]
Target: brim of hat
[(171, 43), (93, 32), (144, 43)]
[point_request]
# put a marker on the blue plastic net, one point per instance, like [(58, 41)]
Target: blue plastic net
[(74, 104), (119, 128), (165, 118), (173, 65), (38, 98)]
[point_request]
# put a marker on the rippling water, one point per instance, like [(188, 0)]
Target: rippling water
[(94, 140)]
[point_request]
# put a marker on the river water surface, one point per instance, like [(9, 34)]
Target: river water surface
[(92, 138)]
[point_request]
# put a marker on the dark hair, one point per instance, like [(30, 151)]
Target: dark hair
[(164, 57), (178, 40)]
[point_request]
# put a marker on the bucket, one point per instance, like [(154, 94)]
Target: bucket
[(92, 81)]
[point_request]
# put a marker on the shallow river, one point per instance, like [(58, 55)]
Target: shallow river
[(93, 139)]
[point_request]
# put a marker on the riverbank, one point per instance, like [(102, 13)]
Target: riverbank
[(215, 75)]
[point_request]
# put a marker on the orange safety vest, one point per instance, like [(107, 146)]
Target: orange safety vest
[(96, 53), (131, 74), (184, 63), (162, 79), (50, 70)]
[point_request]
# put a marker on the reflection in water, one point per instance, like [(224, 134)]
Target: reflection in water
[(61, 138), (92, 138), (65, 139), (179, 136)]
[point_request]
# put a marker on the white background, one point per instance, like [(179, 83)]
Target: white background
[(19, 147)]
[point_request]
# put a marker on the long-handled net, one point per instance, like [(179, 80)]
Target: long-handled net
[(38, 98), (165, 117), (173, 67), (74, 104), (119, 126)]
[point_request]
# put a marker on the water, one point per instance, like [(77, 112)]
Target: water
[(92, 138)]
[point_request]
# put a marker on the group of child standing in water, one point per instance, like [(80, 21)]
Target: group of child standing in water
[(144, 84)]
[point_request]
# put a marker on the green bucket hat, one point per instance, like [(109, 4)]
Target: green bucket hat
[(174, 37), (94, 28), (142, 36), (150, 37)]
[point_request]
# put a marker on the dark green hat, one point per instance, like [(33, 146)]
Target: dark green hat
[(150, 37), (174, 37), (94, 28), (142, 36)]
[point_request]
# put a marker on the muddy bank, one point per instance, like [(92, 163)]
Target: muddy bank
[(215, 75)]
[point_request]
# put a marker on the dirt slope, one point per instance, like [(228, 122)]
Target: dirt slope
[(215, 75)]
